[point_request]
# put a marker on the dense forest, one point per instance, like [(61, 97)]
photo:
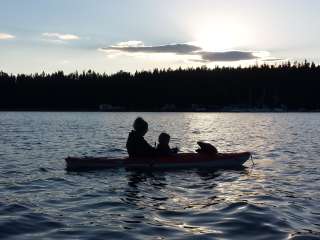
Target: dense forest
[(288, 86)]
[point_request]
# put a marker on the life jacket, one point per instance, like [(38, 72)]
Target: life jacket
[(137, 146)]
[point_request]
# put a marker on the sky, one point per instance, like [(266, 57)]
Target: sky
[(112, 35)]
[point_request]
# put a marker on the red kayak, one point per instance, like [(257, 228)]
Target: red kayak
[(176, 161)]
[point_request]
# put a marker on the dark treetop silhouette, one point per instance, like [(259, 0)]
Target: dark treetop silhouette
[(290, 86)]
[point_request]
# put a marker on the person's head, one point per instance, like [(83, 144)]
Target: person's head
[(164, 138), (140, 126)]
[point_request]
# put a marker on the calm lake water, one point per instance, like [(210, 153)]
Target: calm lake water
[(278, 198)]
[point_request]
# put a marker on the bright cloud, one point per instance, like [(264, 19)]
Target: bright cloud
[(6, 36), (129, 44), (60, 36), (189, 50)]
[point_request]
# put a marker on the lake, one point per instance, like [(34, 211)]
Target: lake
[(277, 198)]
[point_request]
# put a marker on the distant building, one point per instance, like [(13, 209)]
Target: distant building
[(169, 108), (110, 108), (198, 108)]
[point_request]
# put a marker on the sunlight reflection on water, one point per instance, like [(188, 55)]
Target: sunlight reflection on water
[(276, 199)]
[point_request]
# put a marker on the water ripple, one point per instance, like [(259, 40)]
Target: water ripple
[(275, 199)]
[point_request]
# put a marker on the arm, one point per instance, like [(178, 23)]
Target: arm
[(147, 148)]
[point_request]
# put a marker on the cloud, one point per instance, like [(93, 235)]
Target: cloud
[(60, 36), (227, 56), (131, 43), (185, 49), (6, 36), (273, 59), (139, 47)]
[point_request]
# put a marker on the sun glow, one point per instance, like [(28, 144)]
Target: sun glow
[(262, 54), (225, 35)]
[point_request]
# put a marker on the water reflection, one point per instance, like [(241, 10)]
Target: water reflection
[(191, 189), (141, 188), (276, 199), (156, 179), (172, 199)]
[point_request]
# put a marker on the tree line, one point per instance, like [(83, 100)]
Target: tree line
[(292, 86)]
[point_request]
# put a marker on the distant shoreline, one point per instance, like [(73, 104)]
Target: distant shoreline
[(289, 87), (157, 111)]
